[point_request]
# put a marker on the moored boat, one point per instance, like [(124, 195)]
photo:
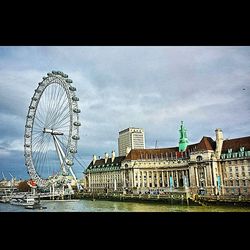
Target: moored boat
[(24, 201)]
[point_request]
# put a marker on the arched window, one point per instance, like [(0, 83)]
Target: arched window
[(199, 158)]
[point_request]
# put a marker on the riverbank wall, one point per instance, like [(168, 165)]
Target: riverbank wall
[(171, 198)]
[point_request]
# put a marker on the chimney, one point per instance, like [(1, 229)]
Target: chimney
[(128, 149), (219, 142), (113, 156), (94, 159), (106, 156)]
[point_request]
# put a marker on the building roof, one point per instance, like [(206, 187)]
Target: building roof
[(206, 143), (127, 129), (136, 154), (235, 144), (98, 162)]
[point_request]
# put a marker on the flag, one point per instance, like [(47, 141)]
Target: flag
[(219, 182), (185, 180), (115, 185), (171, 181)]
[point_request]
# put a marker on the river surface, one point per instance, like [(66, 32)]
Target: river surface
[(115, 206)]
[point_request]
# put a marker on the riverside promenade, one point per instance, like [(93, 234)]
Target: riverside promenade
[(174, 198)]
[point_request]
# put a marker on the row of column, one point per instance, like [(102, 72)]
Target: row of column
[(161, 177)]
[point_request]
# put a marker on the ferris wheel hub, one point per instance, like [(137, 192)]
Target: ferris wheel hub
[(52, 132)]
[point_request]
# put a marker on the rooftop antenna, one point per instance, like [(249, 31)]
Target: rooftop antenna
[(156, 144)]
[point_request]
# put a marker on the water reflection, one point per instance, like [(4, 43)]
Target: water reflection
[(111, 206)]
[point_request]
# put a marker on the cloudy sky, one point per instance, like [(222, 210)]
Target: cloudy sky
[(148, 87)]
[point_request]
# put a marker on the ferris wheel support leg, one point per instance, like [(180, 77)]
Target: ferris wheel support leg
[(60, 153)]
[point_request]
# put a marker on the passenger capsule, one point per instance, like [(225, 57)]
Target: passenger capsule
[(49, 74), (68, 162), (77, 110), (34, 98), (72, 88), (77, 123), (74, 98), (29, 116), (72, 150), (38, 91), (75, 137), (54, 72), (32, 107), (26, 145), (27, 126), (65, 76), (45, 77), (68, 80)]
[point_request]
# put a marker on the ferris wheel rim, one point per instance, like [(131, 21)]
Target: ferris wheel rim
[(56, 77)]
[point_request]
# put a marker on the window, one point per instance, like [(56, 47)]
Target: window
[(231, 183), (237, 183), (236, 169), (230, 169), (199, 158), (242, 168), (244, 183)]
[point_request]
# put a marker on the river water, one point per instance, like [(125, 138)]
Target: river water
[(116, 206)]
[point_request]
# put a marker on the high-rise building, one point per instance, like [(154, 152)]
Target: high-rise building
[(130, 138)]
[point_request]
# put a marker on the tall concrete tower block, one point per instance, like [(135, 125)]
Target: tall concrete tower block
[(132, 138), (219, 142)]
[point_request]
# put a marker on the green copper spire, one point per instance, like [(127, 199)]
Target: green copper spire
[(183, 142)]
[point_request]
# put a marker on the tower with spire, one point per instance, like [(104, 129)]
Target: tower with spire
[(183, 142)]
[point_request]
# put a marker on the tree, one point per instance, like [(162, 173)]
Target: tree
[(23, 187)]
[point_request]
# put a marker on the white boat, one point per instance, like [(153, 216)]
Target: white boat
[(35, 206), (24, 201), (5, 199)]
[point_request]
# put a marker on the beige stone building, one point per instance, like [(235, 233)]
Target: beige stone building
[(104, 175), (209, 167)]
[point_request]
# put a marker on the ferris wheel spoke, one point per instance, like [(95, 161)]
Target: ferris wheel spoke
[(62, 121), (59, 112), (39, 122), (50, 102), (64, 115), (40, 112), (55, 123), (56, 105), (40, 156)]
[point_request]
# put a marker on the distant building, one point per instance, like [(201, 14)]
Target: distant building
[(209, 167), (104, 175), (130, 138)]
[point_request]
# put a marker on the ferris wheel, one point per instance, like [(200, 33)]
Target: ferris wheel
[(52, 129)]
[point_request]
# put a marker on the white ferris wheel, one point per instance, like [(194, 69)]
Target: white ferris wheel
[(52, 130)]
